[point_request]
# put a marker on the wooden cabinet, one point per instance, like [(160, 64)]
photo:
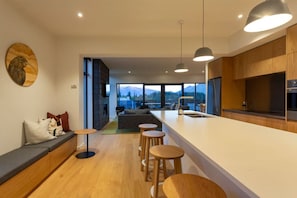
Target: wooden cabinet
[(239, 64), (215, 68), (265, 59), (291, 71), (292, 126), (232, 91), (259, 120), (291, 39)]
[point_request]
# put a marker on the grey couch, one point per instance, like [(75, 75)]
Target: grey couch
[(130, 119)]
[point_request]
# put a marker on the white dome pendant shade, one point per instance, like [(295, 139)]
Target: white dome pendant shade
[(268, 15), (180, 68), (203, 53)]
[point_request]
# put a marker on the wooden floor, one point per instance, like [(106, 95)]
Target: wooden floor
[(114, 172)]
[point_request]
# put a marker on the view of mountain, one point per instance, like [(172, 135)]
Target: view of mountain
[(136, 91)]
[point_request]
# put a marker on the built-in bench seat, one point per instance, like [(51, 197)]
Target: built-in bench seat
[(23, 169), (17, 160), (52, 144)]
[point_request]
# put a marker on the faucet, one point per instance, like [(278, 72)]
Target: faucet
[(179, 109)]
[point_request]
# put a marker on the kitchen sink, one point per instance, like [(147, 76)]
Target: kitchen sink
[(196, 115)]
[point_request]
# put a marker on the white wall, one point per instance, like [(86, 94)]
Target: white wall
[(20, 103)]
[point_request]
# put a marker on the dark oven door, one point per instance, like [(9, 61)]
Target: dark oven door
[(292, 103)]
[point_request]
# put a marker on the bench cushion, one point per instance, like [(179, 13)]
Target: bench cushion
[(15, 161), (53, 144)]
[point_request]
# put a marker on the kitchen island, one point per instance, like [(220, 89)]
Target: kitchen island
[(246, 160)]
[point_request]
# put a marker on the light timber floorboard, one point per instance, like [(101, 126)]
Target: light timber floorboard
[(114, 172)]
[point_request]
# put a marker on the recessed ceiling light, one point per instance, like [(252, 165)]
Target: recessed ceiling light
[(129, 72), (240, 16), (166, 72), (80, 15)]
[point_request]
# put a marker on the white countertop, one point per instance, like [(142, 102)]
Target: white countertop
[(262, 159)]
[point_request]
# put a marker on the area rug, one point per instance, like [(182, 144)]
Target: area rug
[(112, 128)]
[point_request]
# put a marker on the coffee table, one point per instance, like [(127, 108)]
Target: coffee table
[(87, 153)]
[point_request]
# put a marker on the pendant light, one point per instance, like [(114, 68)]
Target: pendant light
[(268, 15), (180, 68), (203, 53)]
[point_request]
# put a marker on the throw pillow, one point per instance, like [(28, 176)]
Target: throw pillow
[(36, 132), (64, 118), (54, 129)]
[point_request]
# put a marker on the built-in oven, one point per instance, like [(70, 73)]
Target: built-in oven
[(292, 99)]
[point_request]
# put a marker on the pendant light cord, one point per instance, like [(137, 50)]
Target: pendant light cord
[(181, 41), (202, 23)]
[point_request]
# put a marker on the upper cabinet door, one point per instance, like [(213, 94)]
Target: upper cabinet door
[(291, 39), (266, 59), (291, 71)]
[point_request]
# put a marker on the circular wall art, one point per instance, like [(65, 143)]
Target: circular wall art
[(21, 64)]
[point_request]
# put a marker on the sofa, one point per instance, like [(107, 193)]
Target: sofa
[(23, 169), (131, 118)]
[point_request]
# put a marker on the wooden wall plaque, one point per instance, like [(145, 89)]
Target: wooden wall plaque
[(21, 64)]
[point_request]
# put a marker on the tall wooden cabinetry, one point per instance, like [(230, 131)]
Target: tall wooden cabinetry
[(292, 52), (232, 91), (291, 72), (266, 59), (276, 56)]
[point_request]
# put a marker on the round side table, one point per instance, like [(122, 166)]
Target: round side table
[(87, 153)]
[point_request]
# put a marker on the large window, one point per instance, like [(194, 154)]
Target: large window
[(152, 96), (160, 96), (130, 96), (189, 90), (172, 93)]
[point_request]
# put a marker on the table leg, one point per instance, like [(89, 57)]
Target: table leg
[(86, 154)]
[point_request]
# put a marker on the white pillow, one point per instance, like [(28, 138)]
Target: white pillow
[(37, 132)]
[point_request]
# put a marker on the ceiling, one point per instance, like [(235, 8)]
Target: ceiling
[(143, 18)]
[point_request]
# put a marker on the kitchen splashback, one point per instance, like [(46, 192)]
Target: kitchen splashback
[(266, 94)]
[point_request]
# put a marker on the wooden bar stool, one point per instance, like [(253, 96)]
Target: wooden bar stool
[(150, 138), (164, 152), (142, 128), (189, 186)]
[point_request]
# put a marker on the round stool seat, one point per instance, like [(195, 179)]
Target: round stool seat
[(153, 134), (147, 126), (167, 151), (188, 186)]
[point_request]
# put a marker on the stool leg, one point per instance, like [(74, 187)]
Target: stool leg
[(177, 166), (164, 168), (142, 153), (156, 177), (140, 142), (147, 160)]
